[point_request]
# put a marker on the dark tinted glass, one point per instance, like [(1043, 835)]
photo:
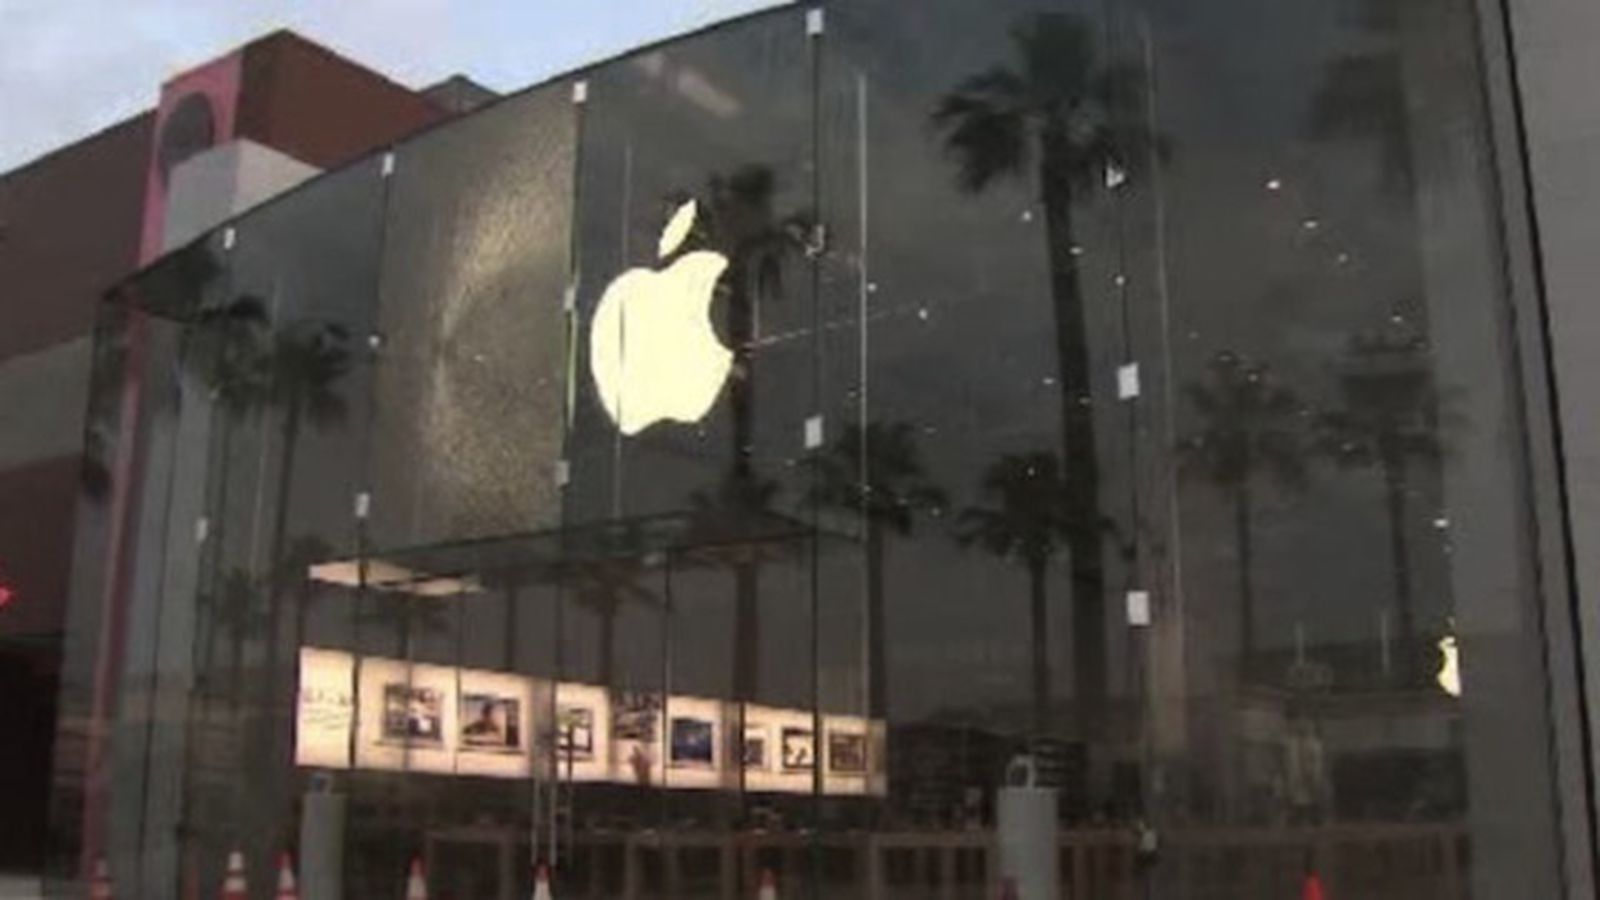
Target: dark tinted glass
[(1016, 448), (1349, 645)]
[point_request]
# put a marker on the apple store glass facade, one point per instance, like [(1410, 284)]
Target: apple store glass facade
[(1028, 447)]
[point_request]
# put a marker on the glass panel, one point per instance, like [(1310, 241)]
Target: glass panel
[(469, 388), (720, 121), (694, 369), (745, 478), (985, 458), (75, 742), (128, 671), (280, 361), (1347, 661), (461, 623)]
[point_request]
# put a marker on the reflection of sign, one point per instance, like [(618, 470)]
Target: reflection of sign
[(1449, 676), (799, 751), (755, 748), (636, 713), (575, 733), (325, 713), (693, 743), (652, 349), (7, 594), (490, 723), (847, 753), (413, 715), (1309, 675)]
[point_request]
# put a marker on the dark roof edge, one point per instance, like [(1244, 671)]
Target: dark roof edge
[(271, 39), (77, 143)]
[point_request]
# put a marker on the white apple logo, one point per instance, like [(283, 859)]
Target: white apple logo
[(652, 348)]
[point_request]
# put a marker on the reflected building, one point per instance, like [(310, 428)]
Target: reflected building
[(1024, 446)]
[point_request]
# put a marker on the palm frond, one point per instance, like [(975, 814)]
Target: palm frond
[(985, 123), (1251, 425)]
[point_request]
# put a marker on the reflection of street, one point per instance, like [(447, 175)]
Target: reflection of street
[(1376, 862)]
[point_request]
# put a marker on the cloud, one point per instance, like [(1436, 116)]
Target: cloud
[(57, 85), (71, 67)]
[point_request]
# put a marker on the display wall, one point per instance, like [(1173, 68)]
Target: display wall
[(389, 715), (796, 448)]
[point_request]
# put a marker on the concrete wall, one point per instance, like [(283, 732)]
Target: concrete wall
[(42, 399), (212, 187), (69, 229), (320, 108), (1554, 44)]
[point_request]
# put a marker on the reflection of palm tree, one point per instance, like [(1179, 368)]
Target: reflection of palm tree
[(736, 506), (1389, 420), (1248, 430), (1059, 115), (409, 615), (604, 587), (307, 360), (877, 473), (106, 377), (1361, 95), (223, 348), (235, 609), (302, 553), (1361, 98), (741, 222), (1031, 519)]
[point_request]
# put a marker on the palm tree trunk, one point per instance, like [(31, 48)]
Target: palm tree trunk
[(746, 578), (746, 628), (236, 637), (509, 651), (407, 613), (1244, 539), (877, 643), (216, 549), (608, 648), (302, 607), (276, 756), (1085, 542), (280, 525), (1039, 641), (1394, 484)]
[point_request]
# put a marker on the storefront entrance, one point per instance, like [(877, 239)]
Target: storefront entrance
[(477, 863), (650, 708)]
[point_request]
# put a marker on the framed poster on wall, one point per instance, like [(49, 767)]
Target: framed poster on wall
[(757, 750), (494, 724), (325, 709), (847, 752), (406, 716), (574, 733), (797, 749), (693, 743)]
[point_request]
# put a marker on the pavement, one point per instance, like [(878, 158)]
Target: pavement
[(19, 887)]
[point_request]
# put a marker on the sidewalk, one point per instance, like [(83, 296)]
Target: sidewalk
[(19, 887)]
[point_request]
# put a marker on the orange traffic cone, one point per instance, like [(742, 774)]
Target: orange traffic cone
[(287, 889), (541, 882), (1312, 888), (769, 886), (233, 885), (100, 881), (417, 883)]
